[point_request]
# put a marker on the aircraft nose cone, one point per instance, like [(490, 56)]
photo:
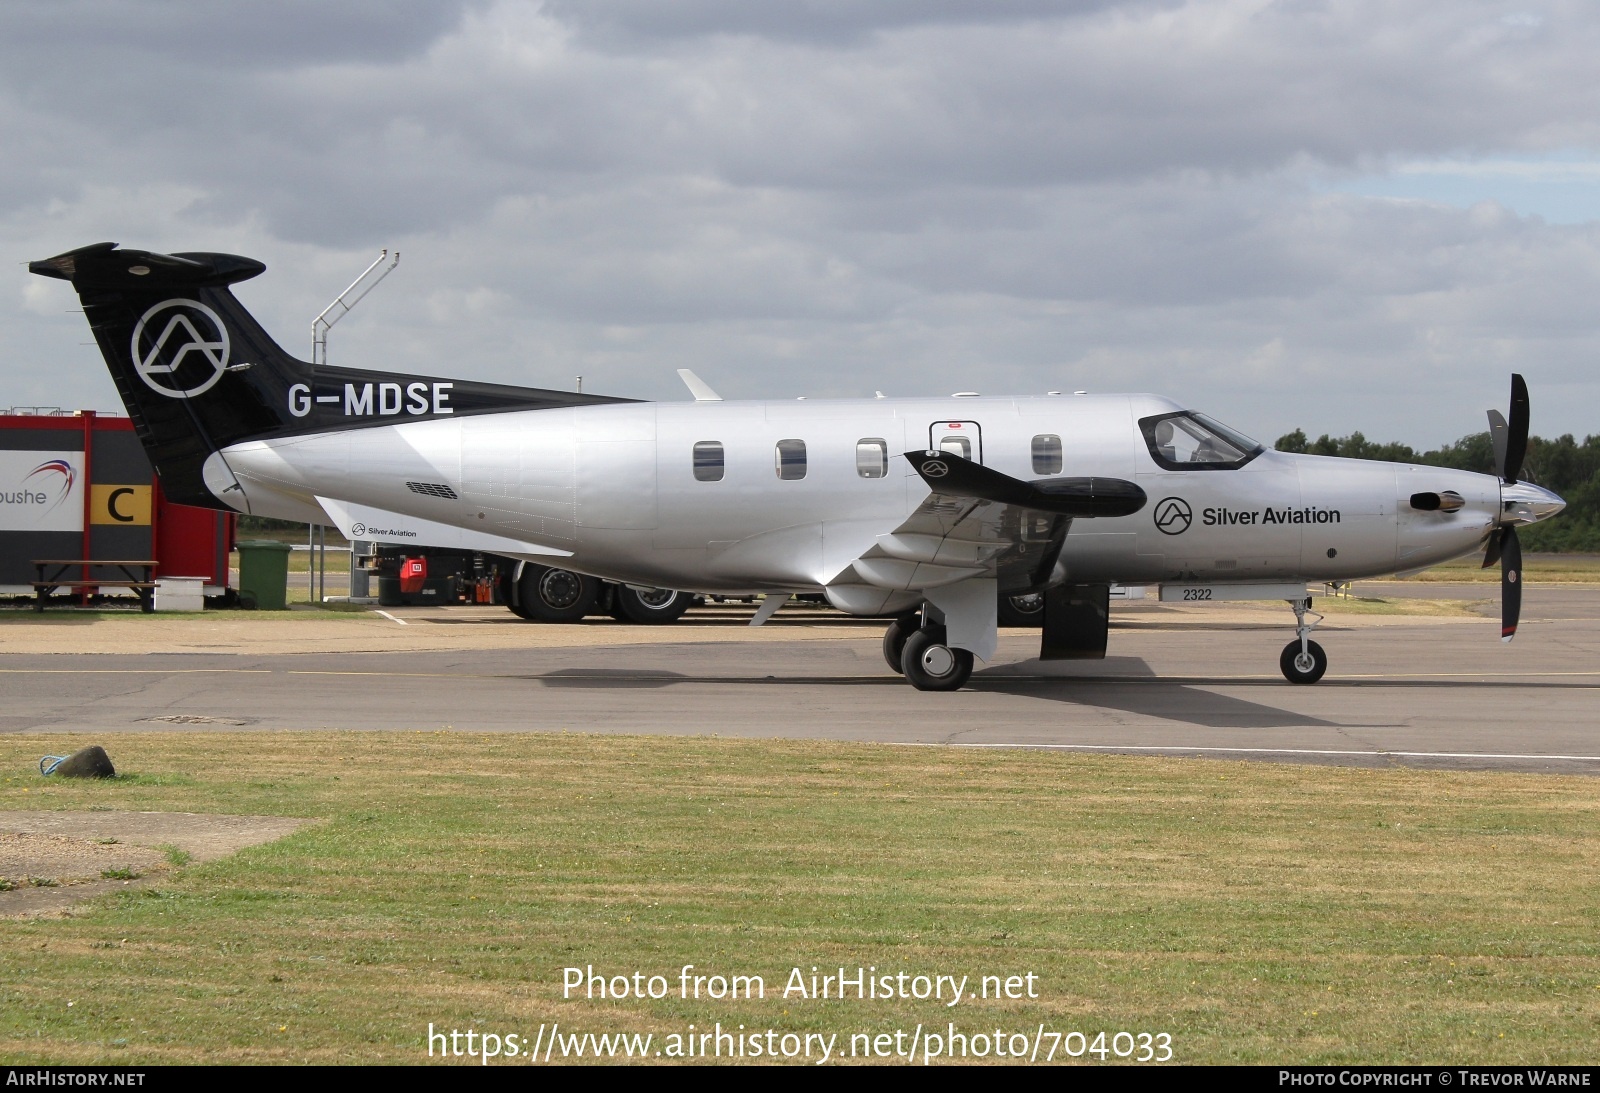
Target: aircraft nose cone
[(1525, 503)]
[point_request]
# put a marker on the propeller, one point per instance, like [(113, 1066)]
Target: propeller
[(1510, 441), (1510, 583)]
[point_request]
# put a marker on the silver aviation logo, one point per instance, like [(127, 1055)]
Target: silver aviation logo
[(1173, 516), (191, 337), (933, 468)]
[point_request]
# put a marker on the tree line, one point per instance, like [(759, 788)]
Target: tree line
[(1570, 468)]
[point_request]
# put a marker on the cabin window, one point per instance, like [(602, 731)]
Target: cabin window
[(872, 457), (957, 445), (708, 461), (791, 460), (1047, 454)]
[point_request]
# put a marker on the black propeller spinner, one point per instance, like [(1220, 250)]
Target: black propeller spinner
[(1510, 440)]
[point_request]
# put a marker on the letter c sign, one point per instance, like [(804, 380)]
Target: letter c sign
[(124, 505)]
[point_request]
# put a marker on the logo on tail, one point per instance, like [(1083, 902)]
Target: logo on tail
[(188, 356)]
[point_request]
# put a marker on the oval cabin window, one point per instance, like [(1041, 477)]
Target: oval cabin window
[(872, 457), (708, 461), (791, 459)]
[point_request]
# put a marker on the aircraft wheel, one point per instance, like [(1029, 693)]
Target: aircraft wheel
[(894, 641), (658, 605), (1024, 610), (554, 595), (930, 665), (1304, 667)]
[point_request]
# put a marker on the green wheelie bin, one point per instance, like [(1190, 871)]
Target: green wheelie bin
[(263, 574)]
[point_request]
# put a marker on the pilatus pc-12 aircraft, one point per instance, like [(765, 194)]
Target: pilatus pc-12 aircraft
[(926, 510)]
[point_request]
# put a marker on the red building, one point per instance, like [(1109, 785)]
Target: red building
[(78, 485)]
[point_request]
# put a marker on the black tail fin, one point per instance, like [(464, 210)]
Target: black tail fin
[(197, 372)]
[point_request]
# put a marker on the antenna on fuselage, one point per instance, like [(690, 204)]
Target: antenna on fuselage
[(345, 301)]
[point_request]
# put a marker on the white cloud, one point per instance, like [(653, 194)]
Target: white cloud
[(829, 198)]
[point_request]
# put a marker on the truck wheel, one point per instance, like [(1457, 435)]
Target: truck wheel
[(554, 595), (657, 605), (1024, 610)]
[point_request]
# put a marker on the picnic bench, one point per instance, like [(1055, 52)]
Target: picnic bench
[(141, 583)]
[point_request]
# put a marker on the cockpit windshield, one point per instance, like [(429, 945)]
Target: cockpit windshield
[(1188, 441)]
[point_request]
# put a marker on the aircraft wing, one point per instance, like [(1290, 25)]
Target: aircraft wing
[(978, 533)]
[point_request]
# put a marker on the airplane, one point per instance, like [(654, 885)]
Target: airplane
[(924, 509)]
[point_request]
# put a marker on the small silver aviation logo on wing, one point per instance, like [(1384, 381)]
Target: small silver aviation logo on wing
[(192, 339), (1173, 516), (933, 468)]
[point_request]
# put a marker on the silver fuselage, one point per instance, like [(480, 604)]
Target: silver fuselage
[(612, 490)]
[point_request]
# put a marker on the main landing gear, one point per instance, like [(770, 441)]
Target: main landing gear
[(1303, 660), (918, 652)]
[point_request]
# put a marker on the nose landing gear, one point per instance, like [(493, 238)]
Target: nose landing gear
[(1303, 660)]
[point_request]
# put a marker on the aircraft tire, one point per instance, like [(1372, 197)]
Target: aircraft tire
[(521, 612), (655, 607), (1296, 669), (1025, 610), (894, 642), (555, 595), (930, 665)]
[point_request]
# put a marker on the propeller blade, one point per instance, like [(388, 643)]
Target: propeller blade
[(1491, 550), (1510, 583), (1498, 437), (1517, 433)]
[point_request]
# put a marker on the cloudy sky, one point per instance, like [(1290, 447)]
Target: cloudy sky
[(1333, 214)]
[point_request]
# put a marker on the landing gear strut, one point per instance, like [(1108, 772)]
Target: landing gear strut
[(1303, 660)]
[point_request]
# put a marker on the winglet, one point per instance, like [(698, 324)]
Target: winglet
[(699, 388)]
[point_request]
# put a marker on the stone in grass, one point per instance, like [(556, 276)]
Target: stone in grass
[(90, 762)]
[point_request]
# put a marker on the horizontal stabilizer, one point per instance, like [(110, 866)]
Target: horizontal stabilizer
[(1077, 497), (104, 265)]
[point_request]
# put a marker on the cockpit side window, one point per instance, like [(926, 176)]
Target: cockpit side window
[(1188, 441)]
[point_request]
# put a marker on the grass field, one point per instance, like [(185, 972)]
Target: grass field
[(1256, 913), (1539, 568)]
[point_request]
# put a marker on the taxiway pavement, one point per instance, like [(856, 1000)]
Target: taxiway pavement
[(1414, 691)]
